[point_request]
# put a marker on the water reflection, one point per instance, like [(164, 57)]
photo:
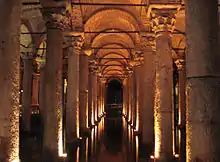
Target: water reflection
[(116, 143), (77, 154)]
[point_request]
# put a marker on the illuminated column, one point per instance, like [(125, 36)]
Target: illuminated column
[(102, 94), (90, 102), (182, 108), (94, 95), (125, 96), (146, 93), (10, 21), (53, 142), (133, 91), (163, 25), (83, 92), (26, 95), (137, 101), (130, 96), (98, 96), (42, 92), (35, 89), (72, 108), (203, 81)]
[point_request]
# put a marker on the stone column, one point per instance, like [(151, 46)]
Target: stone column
[(102, 94), (26, 94), (35, 90), (146, 92), (83, 91), (98, 97), (182, 108), (10, 21), (42, 92), (72, 109), (130, 97), (133, 91), (137, 94), (90, 103), (52, 146), (163, 22), (203, 81), (94, 95), (125, 96)]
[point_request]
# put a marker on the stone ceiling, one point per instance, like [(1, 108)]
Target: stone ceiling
[(113, 32)]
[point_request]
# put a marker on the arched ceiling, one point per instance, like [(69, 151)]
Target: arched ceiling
[(110, 31)]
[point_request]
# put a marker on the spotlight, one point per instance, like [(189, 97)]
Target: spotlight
[(152, 157), (176, 155)]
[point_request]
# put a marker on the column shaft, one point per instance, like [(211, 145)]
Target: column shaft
[(94, 95), (83, 98), (72, 96), (53, 95), (130, 95), (42, 92), (26, 95), (35, 90), (90, 103), (164, 85), (133, 83), (146, 92), (10, 21), (203, 81), (182, 111)]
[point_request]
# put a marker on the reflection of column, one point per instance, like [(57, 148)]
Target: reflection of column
[(9, 80), (163, 25), (26, 95), (203, 81), (72, 109), (35, 90), (53, 93), (182, 109), (83, 91)]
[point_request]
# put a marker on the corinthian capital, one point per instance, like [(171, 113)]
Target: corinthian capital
[(56, 18), (163, 20), (180, 64), (78, 42)]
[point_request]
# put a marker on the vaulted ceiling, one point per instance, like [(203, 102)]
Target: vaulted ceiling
[(114, 32)]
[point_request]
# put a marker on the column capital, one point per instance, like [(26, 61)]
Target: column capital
[(56, 18), (76, 42), (163, 20), (180, 63)]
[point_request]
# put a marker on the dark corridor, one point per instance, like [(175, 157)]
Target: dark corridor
[(113, 121)]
